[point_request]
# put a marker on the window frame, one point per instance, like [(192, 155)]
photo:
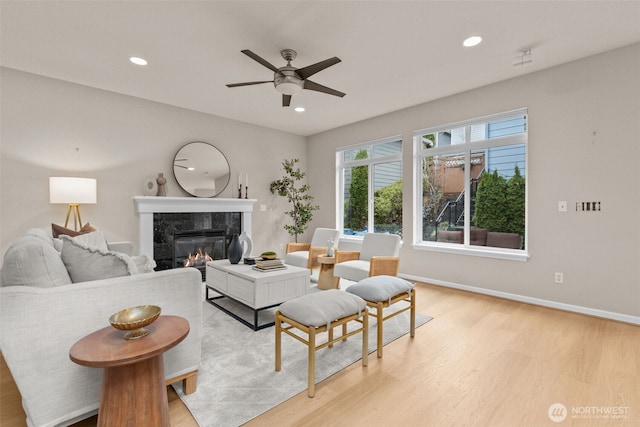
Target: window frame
[(370, 162), (467, 148)]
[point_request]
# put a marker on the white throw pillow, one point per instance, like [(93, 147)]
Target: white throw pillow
[(85, 263), (57, 244), (39, 233), (32, 261), (93, 240), (144, 263)]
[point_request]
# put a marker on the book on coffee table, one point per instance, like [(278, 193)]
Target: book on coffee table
[(264, 270), (269, 264)]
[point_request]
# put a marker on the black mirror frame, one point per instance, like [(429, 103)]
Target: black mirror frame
[(189, 189)]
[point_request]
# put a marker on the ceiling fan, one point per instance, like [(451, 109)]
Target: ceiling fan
[(289, 80)]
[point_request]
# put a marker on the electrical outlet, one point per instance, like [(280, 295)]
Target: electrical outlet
[(263, 208), (562, 206), (559, 277)]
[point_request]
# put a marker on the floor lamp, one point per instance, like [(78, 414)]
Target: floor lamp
[(72, 191)]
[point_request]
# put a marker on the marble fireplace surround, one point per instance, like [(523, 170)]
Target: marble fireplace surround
[(146, 206)]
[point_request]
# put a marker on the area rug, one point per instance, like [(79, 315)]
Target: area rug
[(237, 380)]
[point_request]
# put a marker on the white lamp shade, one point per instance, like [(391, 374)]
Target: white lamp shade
[(72, 190)]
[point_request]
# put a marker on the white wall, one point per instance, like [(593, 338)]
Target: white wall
[(56, 128), (597, 252)]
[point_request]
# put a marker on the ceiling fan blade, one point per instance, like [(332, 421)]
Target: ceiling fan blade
[(249, 83), (260, 60), (310, 70), (308, 84), (286, 100)]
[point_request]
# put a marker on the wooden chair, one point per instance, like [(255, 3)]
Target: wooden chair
[(377, 256), (305, 255), (319, 312)]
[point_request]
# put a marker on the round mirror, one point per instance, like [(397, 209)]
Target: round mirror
[(201, 169)]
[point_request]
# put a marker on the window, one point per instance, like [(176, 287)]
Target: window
[(370, 187), (471, 184)]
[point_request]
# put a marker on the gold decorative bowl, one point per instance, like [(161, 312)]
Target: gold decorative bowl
[(134, 319)]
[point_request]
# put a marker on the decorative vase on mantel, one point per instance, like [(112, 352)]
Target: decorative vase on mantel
[(161, 180), (234, 251), (246, 243)]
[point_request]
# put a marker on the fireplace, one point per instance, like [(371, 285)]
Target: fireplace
[(213, 229), (209, 221), (194, 248), (188, 246)]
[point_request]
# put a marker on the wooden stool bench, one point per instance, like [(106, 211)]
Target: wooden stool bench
[(383, 291), (320, 312)]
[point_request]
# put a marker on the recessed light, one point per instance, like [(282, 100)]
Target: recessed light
[(472, 41), (138, 61), (299, 109)]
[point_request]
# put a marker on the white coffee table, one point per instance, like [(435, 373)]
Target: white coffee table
[(257, 290)]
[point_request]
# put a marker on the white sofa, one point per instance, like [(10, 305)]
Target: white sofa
[(38, 326)]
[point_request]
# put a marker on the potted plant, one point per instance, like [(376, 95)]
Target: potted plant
[(302, 209)]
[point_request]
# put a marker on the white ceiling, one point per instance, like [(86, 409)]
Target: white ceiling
[(395, 54)]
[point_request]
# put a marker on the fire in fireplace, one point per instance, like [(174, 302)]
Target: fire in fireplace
[(194, 248), (197, 259)]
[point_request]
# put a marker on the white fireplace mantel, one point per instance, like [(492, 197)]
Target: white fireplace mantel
[(146, 206)]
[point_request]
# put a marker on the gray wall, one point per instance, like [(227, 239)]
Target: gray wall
[(597, 252), (56, 128), (50, 127)]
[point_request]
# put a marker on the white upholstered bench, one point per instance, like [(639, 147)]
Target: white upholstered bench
[(380, 292), (320, 312)]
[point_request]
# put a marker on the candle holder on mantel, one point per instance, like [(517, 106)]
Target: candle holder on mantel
[(246, 192), (240, 191)]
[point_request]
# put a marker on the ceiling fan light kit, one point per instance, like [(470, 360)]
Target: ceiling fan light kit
[(289, 80)]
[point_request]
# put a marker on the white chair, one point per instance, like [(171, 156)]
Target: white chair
[(377, 256), (305, 255)]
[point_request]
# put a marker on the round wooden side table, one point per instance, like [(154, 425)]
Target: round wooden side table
[(133, 385), (325, 278)]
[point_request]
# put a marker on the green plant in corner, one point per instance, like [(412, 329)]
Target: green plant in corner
[(302, 211)]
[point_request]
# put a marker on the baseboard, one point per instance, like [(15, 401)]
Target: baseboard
[(530, 300)]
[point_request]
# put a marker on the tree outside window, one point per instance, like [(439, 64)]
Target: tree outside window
[(371, 193), (357, 203), (473, 182)]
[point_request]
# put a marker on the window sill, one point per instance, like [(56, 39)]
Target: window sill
[(480, 251)]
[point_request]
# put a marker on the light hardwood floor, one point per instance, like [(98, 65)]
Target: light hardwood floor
[(482, 361)]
